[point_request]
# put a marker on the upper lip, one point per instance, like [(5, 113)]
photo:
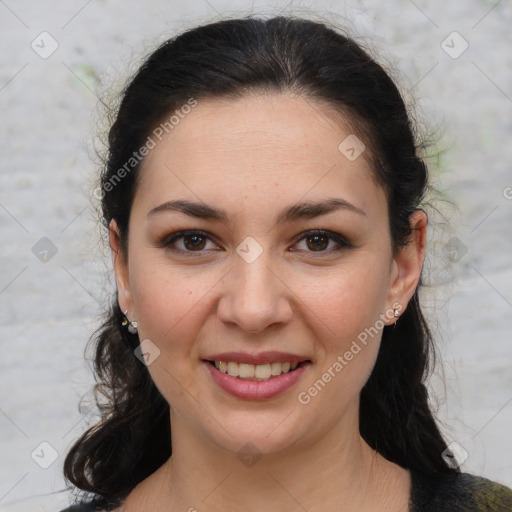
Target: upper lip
[(260, 358)]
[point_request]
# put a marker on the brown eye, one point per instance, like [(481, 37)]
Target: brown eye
[(317, 242), (188, 242), (193, 242)]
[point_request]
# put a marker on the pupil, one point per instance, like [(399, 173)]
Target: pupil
[(316, 243), (198, 242)]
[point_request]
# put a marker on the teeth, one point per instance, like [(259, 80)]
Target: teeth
[(262, 371), (233, 369), (275, 369), (255, 371), (246, 371)]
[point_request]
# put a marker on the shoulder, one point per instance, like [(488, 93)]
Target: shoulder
[(459, 492)]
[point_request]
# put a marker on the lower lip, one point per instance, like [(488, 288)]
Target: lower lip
[(256, 390)]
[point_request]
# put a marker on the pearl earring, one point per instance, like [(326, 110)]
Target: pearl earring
[(396, 313), (132, 326)]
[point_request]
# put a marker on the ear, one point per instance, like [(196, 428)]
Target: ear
[(407, 264), (120, 264)]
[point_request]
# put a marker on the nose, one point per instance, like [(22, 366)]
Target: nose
[(255, 296)]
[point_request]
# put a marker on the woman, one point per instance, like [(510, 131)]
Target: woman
[(266, 348)]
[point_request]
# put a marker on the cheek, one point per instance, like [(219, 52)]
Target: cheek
[(168, 302), (345, 301), (172, 306), (348, 308), (336, 309), (174, 302)]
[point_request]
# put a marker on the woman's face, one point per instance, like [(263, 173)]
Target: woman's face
[(252, 282)]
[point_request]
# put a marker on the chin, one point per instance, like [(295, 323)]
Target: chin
[(257, 433)]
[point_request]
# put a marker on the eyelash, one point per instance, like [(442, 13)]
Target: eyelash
[(169, 240)]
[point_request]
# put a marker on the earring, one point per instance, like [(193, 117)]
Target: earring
[(132, 326), (396, 313)]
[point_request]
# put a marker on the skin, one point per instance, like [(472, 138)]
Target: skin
[(253, 157)]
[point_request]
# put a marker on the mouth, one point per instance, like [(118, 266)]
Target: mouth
[(257, 372), (260, 376)]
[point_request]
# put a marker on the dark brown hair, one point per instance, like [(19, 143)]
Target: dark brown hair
[(229, 59)]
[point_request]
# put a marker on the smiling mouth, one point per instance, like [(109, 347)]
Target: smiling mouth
[(256, 372)]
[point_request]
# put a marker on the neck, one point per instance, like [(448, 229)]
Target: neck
[(338, 468)]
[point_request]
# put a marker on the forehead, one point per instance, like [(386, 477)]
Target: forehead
[(262, 148)]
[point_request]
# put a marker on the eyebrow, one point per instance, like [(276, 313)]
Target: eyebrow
[(305, 209)]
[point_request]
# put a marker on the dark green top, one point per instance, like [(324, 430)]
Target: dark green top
[(459, 492)]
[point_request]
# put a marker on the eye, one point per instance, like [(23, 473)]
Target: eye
[(195, 241), (318, 241), (189, 241)]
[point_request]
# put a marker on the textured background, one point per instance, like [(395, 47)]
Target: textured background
[(49, 300)]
